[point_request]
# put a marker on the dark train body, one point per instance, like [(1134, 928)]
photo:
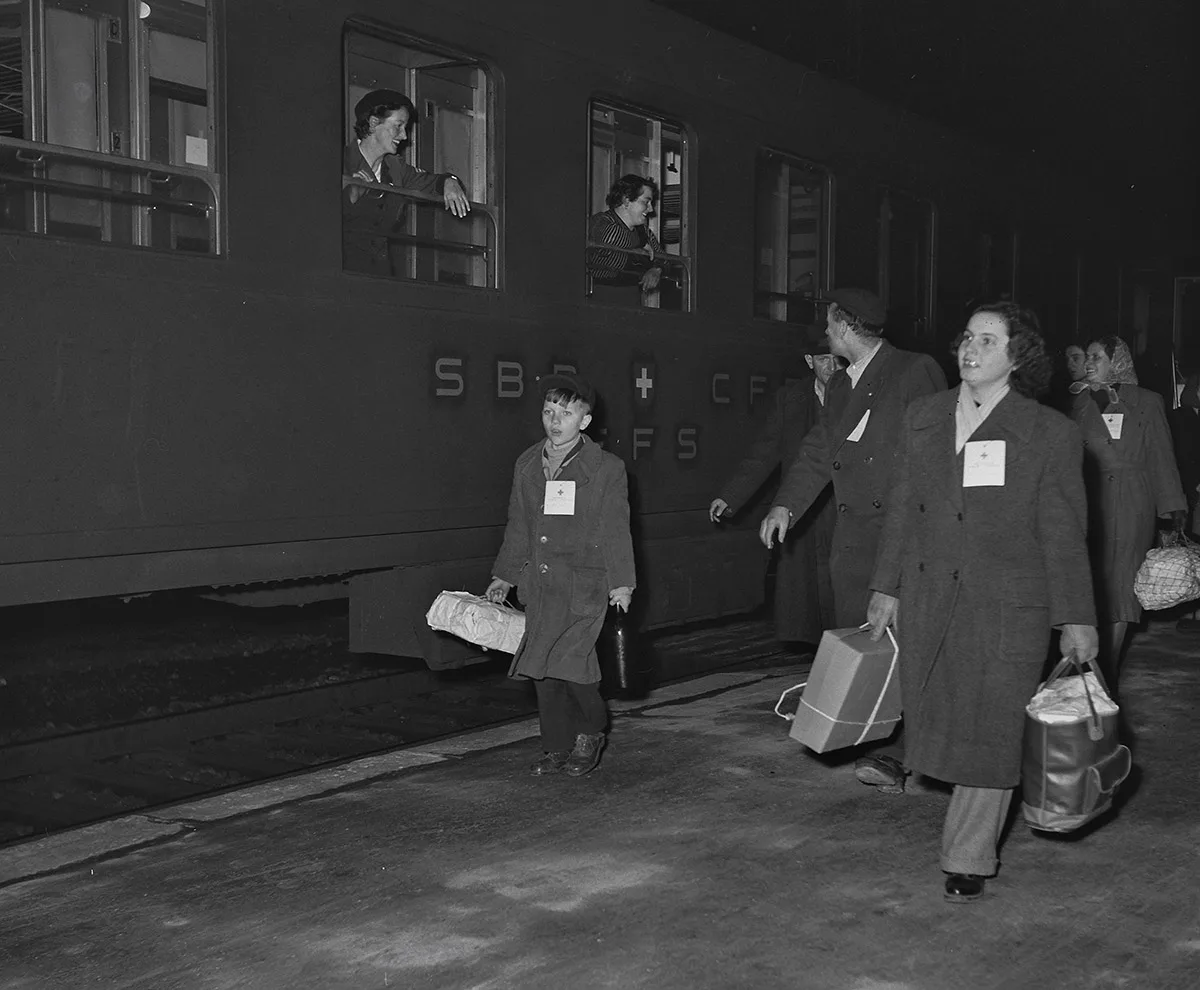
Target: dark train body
[(196, 394)]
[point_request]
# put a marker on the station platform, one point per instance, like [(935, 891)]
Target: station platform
[(709, 850)]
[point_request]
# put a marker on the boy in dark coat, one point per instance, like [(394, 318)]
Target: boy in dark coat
[(568, 550)]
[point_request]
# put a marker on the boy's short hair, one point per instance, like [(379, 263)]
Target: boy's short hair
[(566, 389)]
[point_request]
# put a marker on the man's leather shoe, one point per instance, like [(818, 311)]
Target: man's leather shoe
[(585, 755), (549, 763), (961, 888), (882, 772)]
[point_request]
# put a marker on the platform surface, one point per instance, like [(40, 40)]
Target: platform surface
[(708, 851)]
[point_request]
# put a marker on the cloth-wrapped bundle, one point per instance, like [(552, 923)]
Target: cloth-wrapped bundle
[(1073, 761), (487, 624), (1170, 575)]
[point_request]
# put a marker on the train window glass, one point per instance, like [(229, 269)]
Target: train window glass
[(396, 222), (792, 237), (618, 261), (906, 233), (106, 122)]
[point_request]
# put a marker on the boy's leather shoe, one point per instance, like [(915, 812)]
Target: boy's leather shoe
[(962, 888), (549, 763), (885, 773), (585, 755)]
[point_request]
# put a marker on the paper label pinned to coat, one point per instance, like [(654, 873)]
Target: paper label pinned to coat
[(1114, 422), (983, 464), (857, 432), (560, 498)]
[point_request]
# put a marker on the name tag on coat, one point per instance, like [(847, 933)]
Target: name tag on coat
[(1114, 422), (983, 464), (857, 432), (560, 498)]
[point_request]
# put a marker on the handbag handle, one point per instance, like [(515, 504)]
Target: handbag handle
[(1095, 731)]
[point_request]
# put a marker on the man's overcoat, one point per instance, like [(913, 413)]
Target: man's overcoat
[(861, 470), (1130, 481), (982, 575), (565, 565), (803, 592)]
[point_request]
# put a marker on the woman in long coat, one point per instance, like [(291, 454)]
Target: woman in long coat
[(983, 553), (1131, 477)]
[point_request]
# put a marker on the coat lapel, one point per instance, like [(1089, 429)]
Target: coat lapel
[(935, 422)]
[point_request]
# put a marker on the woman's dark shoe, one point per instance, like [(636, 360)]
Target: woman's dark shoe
[(585, 755), (549, 763), (964, 887)]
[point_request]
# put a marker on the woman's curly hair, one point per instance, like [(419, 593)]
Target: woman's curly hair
[(1032, 366)]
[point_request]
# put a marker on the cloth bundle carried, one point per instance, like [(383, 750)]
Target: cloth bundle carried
[(1170, 575), (487, 624), (1073, 761), (852, 694)]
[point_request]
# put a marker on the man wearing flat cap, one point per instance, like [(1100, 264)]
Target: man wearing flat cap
[(381, 122), (803, 593), (853, 447)]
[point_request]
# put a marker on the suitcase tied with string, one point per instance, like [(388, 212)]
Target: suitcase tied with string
[(852, 695), (477, 620)]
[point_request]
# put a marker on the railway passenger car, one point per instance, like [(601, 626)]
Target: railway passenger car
[(201, 391)]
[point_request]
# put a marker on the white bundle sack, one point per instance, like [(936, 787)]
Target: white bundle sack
[(1064, 701), (487, 624), (1169, 576)]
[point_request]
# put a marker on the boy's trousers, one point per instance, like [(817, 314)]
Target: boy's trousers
[(567, 709)]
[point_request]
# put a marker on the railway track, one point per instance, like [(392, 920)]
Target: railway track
[(63, 781)]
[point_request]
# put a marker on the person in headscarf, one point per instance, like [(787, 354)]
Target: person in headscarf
[(1131, 478)]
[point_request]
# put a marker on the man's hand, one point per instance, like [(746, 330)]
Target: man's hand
[(497, 591), (456, 198), (621, 597), (1080, 640), (882, 611), (774, 525), (717, 509), (650, 279)]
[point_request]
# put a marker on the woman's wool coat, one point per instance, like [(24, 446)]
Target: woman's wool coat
[(565, 565), (982, 575), (1129, 482)]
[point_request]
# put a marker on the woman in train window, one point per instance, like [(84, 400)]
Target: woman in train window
[(381, 122), (1131, 477), (634, 265)]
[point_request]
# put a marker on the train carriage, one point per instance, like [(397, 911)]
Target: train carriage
[(203, 390)]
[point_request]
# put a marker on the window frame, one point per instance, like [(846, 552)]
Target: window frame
[(827, 228), (929, 287), (38, 153), (493, 211), (687, 141)]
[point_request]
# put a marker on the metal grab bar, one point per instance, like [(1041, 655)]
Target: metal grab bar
[(186, 206), (383, 187), (37, 153), (682, 260), (479, 250)]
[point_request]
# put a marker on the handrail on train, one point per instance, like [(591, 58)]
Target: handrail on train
[(682, 261), (383, 187), (37, 153)]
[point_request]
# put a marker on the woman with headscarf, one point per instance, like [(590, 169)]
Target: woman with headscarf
[(1131, 477)]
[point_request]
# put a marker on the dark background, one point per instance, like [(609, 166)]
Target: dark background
[(1105, 90)]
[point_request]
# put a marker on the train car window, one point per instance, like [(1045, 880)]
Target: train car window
[(405, 201), (906, 271), (107, 122), (792, 236), (637, 246)]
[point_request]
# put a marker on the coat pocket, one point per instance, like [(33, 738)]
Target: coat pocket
[(589, 594), (1024, 617)]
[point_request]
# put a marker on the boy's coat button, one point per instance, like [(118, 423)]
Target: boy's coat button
[(543, 539), (545, 568)]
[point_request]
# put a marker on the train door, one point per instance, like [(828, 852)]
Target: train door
[(907, 269)]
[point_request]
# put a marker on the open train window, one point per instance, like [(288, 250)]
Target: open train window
[(791, 225), (419, 193), (107, 122), (636, 253), (907, 265)]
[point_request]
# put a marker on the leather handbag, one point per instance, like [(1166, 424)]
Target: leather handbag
[(1073, 761)]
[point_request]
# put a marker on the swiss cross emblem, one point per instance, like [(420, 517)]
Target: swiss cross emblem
[(644, 382)]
